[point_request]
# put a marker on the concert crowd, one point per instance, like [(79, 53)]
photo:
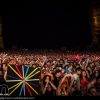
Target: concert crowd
[(62, 73)]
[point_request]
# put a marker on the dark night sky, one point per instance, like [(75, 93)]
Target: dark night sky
[(47, 25)]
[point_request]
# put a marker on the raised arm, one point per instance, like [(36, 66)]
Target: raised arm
[(44, 89), (53, 86), (66, 75)]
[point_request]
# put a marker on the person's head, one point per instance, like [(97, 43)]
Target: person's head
[(61, 61), (88, 68), (70, 66), (58, 73), (84, 73), (96, 73), (91, 65), (47, 69), (46, 78), (78, 71)]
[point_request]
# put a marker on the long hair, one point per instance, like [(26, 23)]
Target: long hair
[(82, 75), (44, 78)]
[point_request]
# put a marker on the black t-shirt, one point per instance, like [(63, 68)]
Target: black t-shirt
[(56, 81)]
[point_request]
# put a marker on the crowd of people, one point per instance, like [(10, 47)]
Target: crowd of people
[(62, 73)]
